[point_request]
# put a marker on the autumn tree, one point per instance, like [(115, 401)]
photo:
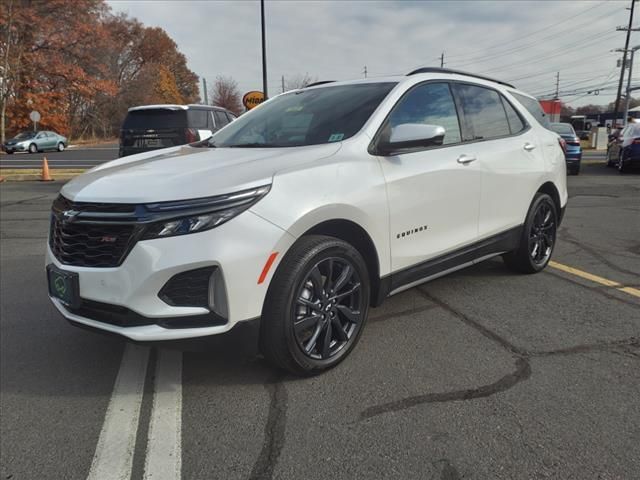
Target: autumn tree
[(226, 94), (82, 67)]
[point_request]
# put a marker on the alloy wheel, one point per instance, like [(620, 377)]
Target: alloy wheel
[(327, 310), (542, 234)]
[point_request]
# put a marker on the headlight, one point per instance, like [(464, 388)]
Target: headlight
[(167, 219)]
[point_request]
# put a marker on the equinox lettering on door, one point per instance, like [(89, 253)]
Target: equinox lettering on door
[(422, 228)]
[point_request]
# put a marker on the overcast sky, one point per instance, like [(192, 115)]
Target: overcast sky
[(518, 41)]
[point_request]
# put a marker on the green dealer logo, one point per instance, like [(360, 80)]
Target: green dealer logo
[(58, 283)]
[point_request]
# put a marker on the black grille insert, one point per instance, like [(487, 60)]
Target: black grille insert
[(92, 234), (188, 289)]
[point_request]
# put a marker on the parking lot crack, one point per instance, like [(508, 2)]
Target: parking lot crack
[(567, 237), (274, 430), (627, 345), (490, 334), (522, 372)]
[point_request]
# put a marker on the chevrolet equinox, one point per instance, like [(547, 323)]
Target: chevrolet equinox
[(308, 210)]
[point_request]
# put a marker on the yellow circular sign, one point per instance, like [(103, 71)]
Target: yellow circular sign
[(252, 99)]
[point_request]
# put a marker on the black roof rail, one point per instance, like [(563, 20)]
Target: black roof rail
[(322, 82), (457, 72)]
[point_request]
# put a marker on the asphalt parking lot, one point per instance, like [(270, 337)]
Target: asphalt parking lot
[(479, 375)]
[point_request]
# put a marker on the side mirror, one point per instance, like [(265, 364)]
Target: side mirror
[(411, 135)]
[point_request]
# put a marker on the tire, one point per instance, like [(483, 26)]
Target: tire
[(60, 147), (33, 148), (299, 312), (10, 152), (575, 171), (538, 231)]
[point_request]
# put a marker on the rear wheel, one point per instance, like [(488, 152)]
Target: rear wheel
[(316, 306), (538, 237), (10, 152), (33, 148)]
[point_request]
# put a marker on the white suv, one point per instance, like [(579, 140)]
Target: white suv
[(308, 210)]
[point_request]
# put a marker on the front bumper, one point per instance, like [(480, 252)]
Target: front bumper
[(14, 148), (238, 248)]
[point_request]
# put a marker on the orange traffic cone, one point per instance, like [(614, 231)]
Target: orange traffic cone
[(46, 177)]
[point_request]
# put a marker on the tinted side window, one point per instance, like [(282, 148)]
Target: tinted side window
[(483, 112), (230, 117), (534, 108), (197, 118), (210, 124), (515, 122), (430, 104), (221, 118)]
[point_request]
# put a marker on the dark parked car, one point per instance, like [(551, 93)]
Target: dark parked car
[(151, 127), (572, 150), (624, 150), (33, 142)]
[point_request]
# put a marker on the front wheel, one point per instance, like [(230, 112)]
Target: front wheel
[(538, 237), (60, 147), (33, 148), (316, 306)]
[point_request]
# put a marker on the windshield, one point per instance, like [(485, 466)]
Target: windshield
[(24, 135), (562, 128), (305, 117)]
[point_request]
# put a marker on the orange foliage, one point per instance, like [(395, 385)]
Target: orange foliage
[(81, 67)]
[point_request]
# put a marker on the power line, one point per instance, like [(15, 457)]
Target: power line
[(568, 19), (553, 53)]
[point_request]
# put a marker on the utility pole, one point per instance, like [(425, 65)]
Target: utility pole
[(442, 60), (264, 53), (628, 98), (204, 89), (624, 62), (365, 71), (282, 83), (557, 85)]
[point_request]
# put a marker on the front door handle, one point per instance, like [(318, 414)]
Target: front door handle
[(466, 159), (528, 146)]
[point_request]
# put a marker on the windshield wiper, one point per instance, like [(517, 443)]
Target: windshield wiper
[(253, 145)]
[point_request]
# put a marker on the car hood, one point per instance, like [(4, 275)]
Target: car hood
[(187, 172), (13, 141)]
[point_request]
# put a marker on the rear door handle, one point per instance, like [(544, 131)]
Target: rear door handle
[(528, 146), (465, 159)]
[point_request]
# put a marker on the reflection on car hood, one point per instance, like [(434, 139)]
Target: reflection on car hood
[(186, 172)]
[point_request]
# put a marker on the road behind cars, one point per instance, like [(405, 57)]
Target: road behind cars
[(75, 157), (481, 374)]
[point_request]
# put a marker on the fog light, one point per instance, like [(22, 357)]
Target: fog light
[(218, 294)]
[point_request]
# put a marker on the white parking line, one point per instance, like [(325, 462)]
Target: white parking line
[(113, 458), (164, 445)]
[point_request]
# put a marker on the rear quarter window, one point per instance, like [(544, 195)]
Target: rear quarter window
[(197, 118), (534, 108)]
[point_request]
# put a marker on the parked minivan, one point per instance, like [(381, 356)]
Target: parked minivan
[(150, 127)]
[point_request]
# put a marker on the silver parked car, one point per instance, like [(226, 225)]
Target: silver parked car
[(33, 142)]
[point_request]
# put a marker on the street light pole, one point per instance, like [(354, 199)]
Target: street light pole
[(624, 60), (264, 53)]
